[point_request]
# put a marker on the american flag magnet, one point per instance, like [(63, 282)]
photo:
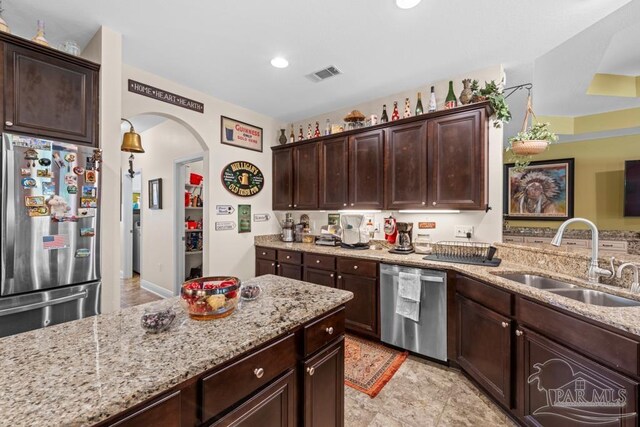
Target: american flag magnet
[(57, 241)]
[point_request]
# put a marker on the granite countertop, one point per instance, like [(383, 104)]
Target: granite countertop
[(624, 318), (82, 372), (571, 233)]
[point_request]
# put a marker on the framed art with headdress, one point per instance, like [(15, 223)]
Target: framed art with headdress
[(541, 191)]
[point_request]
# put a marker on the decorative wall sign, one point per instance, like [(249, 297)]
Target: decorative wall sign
[(240, 134), (155, 193), (242, 179), (426, 225), (244, 218), (224, 209), (225, 225), (333, 219), (543, 191), (261, 217), (164, 96)]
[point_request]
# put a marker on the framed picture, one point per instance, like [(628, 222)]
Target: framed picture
[(155, 193), (542, 191), (240, 134)]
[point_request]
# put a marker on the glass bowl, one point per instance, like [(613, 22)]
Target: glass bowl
[(212, 297), (250, 292), (157, 318)]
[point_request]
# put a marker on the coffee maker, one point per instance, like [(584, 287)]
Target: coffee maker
[(287, 228), (404, 244)]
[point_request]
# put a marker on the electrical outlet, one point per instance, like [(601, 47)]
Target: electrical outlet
[(464, 231)]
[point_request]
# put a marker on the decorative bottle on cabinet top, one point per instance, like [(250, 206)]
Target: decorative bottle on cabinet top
[(327, 128), (433, 106), (309, 131), (407, 109), (292, 135), (39, 37), (384, 118), (283, 138), (419, 109), (465, 95), (300, 135), (3, 24), (450, 101), (395, 115)]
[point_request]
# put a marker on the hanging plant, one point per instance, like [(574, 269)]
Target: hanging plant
[(494, 94), (530, 141)]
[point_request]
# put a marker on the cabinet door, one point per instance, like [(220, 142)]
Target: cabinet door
[(406, 163), (305, 177), (265, 266), (320, 277), (163, 412), (484, 347), (362, 311), (558, 387), (457, 158), (49, 97), (291, 271), (334, 173), (324, 388), (282, 179), (366, 170), (275, 406)]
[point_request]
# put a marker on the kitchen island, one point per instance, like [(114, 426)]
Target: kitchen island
[(107, 370)]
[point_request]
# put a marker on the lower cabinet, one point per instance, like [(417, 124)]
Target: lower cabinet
[(324, 388), (484, 347), (275, 406), (265, 266), (291, 271), (320, 277), (362, 310), (163, 412)]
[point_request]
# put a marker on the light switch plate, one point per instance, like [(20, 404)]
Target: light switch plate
[(463, 231)]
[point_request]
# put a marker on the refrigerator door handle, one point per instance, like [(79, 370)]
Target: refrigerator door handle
[(34, 306)]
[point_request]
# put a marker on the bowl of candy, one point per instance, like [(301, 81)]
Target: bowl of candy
[(212, 297), (157, 318)]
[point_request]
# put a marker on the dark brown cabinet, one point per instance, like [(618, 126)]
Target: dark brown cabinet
[(362, 311), (334, 173), (366, 169), (558, 387), (484, 347), (291, 271), (305, 177), (265, 266), (406, 166), (320, 277), (324, 388), (282, 196), (162, 412), (457, 160), (50, 95)]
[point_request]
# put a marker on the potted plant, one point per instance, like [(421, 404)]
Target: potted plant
[(529, 142), (494, 94)]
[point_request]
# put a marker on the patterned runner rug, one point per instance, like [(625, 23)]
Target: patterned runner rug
[(368, 366)]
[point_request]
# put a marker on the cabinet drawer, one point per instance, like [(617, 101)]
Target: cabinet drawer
[(224, 388), (537, 240), (290, 257), (162, 412), (608, 347), (265, 253), (578, 243), (486, 295), (513, 239), (357, 267), (320, 277), (323, 262), (613, 245), (323, 331)]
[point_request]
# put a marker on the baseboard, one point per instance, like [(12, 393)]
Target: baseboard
[(155, 289)]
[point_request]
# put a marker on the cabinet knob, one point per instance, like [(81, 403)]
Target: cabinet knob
[(311, 371), (264, 253), (424, 203), (519, 332), (317, 261), (273, 264), (331, 275), (344, 204), (505, 324), (8, 123), (277, 265), (351, 204), (295, 206), (340, 277), (355, 267), (329, 330), (259, 372), (288, 256), (289, 205), (434, 203)]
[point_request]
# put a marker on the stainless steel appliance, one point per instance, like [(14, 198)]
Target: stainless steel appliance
[(50, 234), (404, 243), (287, 229), (428, 335)]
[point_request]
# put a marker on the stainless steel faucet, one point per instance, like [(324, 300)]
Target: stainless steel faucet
[(635, 286), (595, 272)]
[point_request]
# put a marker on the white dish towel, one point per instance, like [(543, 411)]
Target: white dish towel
[(408, 300)]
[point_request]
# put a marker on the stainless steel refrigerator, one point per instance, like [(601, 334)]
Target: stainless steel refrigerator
[(50, 233)]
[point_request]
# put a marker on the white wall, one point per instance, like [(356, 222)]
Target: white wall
[(487, 226), (106, 48), (228, 252)]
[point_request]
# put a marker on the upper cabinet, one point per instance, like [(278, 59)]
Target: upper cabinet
[(366, 168), (48, 93), (433, 161), (334, 173), (458, 160), (406, 174)]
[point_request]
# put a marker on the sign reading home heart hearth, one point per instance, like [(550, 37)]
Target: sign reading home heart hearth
[(243, 179)]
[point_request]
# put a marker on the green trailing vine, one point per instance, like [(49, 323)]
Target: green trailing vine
[(493, 93)]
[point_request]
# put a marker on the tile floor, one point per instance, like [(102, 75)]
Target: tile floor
[(132, 294), (423, 394)]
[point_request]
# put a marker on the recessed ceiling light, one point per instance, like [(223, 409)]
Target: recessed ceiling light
[(407, 4), (279, 62)]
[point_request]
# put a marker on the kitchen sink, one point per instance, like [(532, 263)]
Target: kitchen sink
[(539, 282), (593, 297)]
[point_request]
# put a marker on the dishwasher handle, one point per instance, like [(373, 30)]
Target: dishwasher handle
[(437, 279)]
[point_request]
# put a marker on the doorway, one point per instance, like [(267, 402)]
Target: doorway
[(131, 223)]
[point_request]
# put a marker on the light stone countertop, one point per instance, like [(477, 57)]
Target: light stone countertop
[(624, 318), (82, 372)]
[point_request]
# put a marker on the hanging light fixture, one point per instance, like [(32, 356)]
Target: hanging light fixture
[(131, 141)]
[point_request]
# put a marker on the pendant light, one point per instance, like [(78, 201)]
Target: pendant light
[(131, 141)]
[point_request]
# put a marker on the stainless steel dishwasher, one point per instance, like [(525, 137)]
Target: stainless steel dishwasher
[(427, 336)]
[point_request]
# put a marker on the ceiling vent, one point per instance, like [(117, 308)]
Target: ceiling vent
[(324, 74)]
